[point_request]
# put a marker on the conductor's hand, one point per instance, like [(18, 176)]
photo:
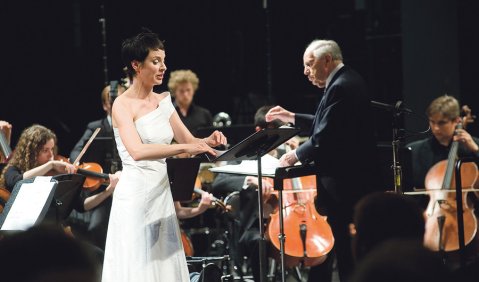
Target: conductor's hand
[(280, 113), (215, 139), (288, 159)]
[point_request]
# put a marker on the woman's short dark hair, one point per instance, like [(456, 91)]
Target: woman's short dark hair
[(136, 48)]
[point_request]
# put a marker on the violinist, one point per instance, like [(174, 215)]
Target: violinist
[(105, 154), (183, 85), (189, 212), (34, 156)]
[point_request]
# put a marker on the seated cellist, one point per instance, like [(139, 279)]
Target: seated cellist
[(427, 155), (444, 115)]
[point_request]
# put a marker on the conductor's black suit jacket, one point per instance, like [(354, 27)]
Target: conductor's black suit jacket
[(342, 143)]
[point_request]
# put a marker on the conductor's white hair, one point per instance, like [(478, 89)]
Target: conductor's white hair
[(320, 47)]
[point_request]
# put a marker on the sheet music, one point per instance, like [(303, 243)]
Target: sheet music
[(28, 204), (250, 167)]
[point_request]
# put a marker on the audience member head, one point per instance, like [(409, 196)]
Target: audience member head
[(401, 260), (45, 253), (381, 216), (183, 85)]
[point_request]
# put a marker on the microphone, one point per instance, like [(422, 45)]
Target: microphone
[(392, 108)]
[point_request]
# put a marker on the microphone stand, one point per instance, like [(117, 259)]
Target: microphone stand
[(397, 169), (102, 21), (115, 158), (396, 111)]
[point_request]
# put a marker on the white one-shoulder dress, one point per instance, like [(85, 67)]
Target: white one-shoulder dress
[(143, 241)]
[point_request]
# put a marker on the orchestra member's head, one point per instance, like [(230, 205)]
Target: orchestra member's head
[(260, 119), (443, 114), (320, 59), (106, 96), (183, 85), (36, 146), (381, 216), (144, 57)]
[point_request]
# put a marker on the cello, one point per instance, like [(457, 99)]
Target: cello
[(309, 237), (441, 222)]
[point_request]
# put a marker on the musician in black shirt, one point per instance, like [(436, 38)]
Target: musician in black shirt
[(443, 115), (183, 85)]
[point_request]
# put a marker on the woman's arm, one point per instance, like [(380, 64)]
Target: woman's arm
[(58, 166), (97, 199), (186, 212), (123, 120)]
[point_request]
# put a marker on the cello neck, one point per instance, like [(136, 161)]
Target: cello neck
[(451, 162)]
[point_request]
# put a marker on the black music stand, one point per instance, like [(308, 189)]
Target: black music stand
[(235, 132), (66, 196), (253, 148), (182, 174), (11, 201)]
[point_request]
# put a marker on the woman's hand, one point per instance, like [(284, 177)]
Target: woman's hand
[(113, 181), (198, 148), (63, 167), (215, 139), (205, 203)]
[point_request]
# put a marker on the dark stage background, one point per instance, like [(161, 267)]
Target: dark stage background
[(52, 54)]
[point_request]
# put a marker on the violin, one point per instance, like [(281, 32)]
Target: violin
[(4, 196), (93, 172), (441, 222)]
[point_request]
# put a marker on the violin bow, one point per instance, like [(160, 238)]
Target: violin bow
[(86, 146)]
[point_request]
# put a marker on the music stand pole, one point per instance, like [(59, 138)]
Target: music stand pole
[(281, 235), (254, 147), (262, 242)]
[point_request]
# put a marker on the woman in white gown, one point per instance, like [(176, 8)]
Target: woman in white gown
[(143, 240)]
